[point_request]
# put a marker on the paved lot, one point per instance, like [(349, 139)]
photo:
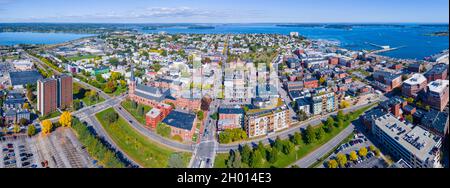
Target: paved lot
[(60, 149)]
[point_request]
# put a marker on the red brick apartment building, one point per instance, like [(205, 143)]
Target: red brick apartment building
[(438, 94), (412, 86), (438, 72), (47, 95), (54, 93), (157, 114), (65, 91)]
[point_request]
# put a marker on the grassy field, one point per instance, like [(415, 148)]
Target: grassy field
[(80, 93), (144, 151), (51, 115), (300, 150), (134, 112)]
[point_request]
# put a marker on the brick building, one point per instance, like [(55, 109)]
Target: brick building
[(413, 85)]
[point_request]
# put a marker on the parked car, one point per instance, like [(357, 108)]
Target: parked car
[(25, 163)]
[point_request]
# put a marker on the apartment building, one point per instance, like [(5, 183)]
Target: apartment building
[(261, 122), (437, 95), (415, 145), (413, 85)]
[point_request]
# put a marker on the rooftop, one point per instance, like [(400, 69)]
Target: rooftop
[(181, 120), (153, 113), (437, 69), (416, 79), (415, 140), (24, 77), (438, 86)]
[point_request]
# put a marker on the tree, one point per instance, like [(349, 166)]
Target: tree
[(231, 159), (310, 135), (362, 152), (372, 148), (66, 119), (302, 116), (26, 106), (329, 125), (77, 104), (272, 157), (340, 123), (255, 159), (261, 148), (332, 164), (111, 117), (110, 87), (16, 128), (278, 144), (344, 104), (237, 162), (341, 159), (288, 147), (134, 104), (320, 133), (47, 126), (340, 115), (409, 118), (141, 110), (297, 138), (200, 115), (31, 131), (246, 151), (353, 156), (23, 121), (176, 161)]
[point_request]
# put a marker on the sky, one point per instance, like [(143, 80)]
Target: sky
[(225, 11)]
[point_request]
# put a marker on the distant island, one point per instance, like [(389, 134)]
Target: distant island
[(439, 34), (201, 27)]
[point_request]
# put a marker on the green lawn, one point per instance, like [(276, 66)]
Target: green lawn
[(51, 115), (147, 153), (300, 150), (134, 112), (80, 93)]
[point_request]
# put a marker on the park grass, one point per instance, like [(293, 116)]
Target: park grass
[(301, 150), (147, 153), (51, 115), (134, 112), (81, 95)]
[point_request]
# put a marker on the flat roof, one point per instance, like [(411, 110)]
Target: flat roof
[(181, 120), (438, 86), (415, 79), (154, 112), (24, 77), (414, 139)]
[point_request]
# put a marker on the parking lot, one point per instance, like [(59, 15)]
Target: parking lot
[(355, 144), (60, 149)]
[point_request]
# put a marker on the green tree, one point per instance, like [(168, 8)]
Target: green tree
[(261, 148), (278, 144), (409, 118), (272, 157), (377, 152), (302, 116), (288, 147), (246, 151), (200, 115), (372, 148), (31, 131), (340, 115), (237, 162), (16, 128), (255, 159), (320, 133), (310, 135), (23, 121), (141, 110), (340, 123), (297, 138)]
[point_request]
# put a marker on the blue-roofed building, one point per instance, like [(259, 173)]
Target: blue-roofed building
[(182, 124)]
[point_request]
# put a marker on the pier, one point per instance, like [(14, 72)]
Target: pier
[(383, 48)]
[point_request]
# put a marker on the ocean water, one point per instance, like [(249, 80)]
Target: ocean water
[(13, 38), (413, 38)]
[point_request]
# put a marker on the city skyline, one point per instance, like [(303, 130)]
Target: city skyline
[(201, 11)]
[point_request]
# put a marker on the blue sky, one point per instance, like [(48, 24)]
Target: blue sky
[(224, 11)]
